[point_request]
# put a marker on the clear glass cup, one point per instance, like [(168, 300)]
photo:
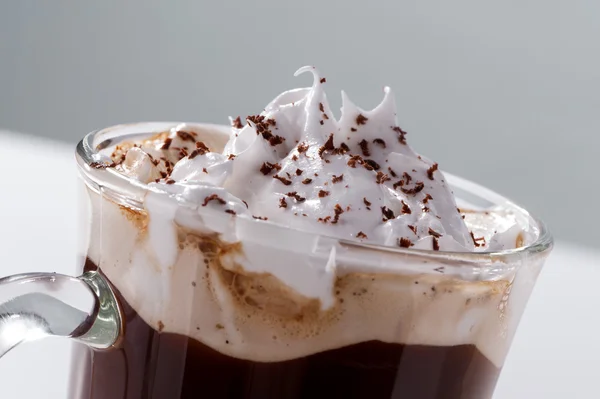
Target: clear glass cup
[(150, 324)]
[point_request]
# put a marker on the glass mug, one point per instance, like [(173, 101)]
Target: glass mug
[(150, 324)]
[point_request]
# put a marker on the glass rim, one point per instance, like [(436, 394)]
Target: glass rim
[(88, 153)]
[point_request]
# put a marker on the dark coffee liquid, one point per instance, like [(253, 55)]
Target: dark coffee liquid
[(149, 364)]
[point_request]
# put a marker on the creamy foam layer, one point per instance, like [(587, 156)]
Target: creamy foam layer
[(208, 292)]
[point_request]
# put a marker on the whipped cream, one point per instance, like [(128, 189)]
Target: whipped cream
[(294, 164)]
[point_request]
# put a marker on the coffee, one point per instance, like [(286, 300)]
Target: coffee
[(152, 364)]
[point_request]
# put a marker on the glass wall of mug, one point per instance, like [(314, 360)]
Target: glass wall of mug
[(203, 319)]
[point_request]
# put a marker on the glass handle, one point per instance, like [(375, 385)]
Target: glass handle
[(39, 305)]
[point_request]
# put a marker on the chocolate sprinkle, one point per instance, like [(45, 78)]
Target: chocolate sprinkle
[(434, 233), (412, 191), (361, 119), (380, 142), (323, 193), (371, 164), (405, 208), (282, 179), (328, 146), (479, 241), (237, 123), (387, 213), (297, 197), (282, 203), (337, 209), (404, 242), (167, 143), (382, 178), (185, 136), (432, 169), (364, 147), (213, 197), (337, 179), (302, 147), (401, 134)]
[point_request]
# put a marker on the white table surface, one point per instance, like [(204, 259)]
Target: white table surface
[(555, 355)]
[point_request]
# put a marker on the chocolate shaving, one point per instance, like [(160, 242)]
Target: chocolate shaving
[(432, 169), (297, 197), (412, 191), (167, 143), (231, 211), (479, 241), (100, 165), (321, 122), (337, 179), (436, 244), (399, 183), (367, 203), (282, 202), (382, 178), (276, 140), (282, 179), (353, 129), (337, 209), (170, 181), (299, 172), (361, 119), (360, 234), (302, 147), (392, 172), (237, 123), (185, 136), (401, 134), (380, 142), (213, 197), (434, 233), (371, 165), (260, 217), (245, 203), (427, 198), (344, 147), (413, 228), (193, 154), (364, 147), (268, 167), (321, 107), (323, 80), (405, 208), (307, 181), (231, 157), (404, 242), (323, 193), (387, 213), (425, 209), (163, 174), (328, 146)]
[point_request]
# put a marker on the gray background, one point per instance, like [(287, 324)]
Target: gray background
[(506, 93)]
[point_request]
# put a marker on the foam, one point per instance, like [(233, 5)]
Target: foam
[(212, 292)]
